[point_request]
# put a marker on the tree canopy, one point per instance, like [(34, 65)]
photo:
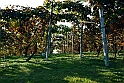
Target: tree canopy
[(22, 27)]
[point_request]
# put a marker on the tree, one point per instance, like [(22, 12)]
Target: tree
[(22, 27), (109, 8), (105, 49)]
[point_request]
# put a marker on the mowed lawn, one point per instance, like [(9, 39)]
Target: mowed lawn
[(61, 68)]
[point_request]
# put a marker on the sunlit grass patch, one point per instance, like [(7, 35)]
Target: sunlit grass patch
[(73, 79)]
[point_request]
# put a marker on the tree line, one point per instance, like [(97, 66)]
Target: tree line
[(24, 30)]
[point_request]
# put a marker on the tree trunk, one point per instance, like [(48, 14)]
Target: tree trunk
[(73, 42), (64, 46), (35, 50), (123, 53), (115, 50), (98, 49), (26, 50), (81, 33), (67, 43), (49, 34), (105, 49), (0, 34), (48, 43)]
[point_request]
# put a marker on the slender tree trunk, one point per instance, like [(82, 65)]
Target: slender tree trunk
[(105, 49), (123, 53), (99, 47), (48, 44), (73, 42), (49, 35), (115, 50), (26, 50), (67, 44), (35, 50), (0, 34), (64, 46), (81, 33)]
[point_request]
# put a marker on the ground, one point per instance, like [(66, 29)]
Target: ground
[(61, 68)]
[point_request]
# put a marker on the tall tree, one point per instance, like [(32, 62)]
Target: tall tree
[(105, 49), (112, 8)]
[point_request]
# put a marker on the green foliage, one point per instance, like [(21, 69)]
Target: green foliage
[(21, 28), (61, 29), (71, 11)]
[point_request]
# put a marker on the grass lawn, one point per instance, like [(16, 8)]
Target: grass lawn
[(61, 68)]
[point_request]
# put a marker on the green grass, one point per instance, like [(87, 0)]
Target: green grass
[(61, 68)]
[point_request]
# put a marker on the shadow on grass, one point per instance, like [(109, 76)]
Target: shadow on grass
[(63, 69)]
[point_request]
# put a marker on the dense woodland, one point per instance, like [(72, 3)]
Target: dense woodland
[(26, 31)]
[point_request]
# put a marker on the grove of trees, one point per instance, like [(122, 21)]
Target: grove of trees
[(26, 31)]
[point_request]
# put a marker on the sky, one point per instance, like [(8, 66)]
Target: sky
[(31, 3), (69, 24)]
